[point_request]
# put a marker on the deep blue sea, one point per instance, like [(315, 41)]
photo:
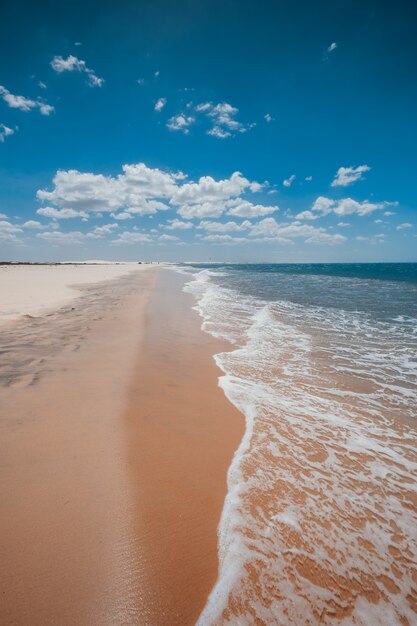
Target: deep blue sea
[(322, 361)]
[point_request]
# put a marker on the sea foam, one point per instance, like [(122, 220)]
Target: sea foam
[(319, 521)]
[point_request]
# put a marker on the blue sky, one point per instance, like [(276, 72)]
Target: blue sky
[(240, 131)]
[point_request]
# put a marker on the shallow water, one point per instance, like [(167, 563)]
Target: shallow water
[(319, 525)]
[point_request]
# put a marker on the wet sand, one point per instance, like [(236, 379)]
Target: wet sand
[(115, 444)]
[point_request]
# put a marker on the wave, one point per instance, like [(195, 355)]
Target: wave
[(319, 521)]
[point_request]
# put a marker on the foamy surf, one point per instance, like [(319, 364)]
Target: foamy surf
[(318, 526)]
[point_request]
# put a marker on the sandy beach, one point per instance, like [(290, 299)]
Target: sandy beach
[(115, 445)]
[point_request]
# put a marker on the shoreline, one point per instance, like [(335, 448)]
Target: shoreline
[(115, 455)]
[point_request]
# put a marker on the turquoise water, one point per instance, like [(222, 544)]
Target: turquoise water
[(323, 364)]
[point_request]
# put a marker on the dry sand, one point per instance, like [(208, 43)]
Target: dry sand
[(114, 447), (35, 289)]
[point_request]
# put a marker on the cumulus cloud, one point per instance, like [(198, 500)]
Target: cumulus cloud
[(404, 225), (345, 206), (9, 231), (308, 179), (244, 208), (223, 118), (270, 229), (224, 227), (289, 181), (73, 64), (348, 175), (24, 104), (181, 123), (60, 214), (268, 117), (5, 131), (132, 237), (159, 104), (33, 224), (178, 225), (168, 238), (57, 237), (333, 46)]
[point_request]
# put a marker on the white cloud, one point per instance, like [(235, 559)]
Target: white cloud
[(345, 206), (140, 190), (24, 104), (389, 213), (343, 224), (224, 227), (404, 225), (159, 104), (268, 117), (157, 73), (168, 238), (226, 239), (218, 132), (8, 232), (244, 208), (289, 181), (223, 119), (42, 85), (269, 229), (106, 229), (308, 179), (33, 224), (132, 237), (178, 225), (307, 215), (347, 175), (60, 214), (57, 237), (73, 64), (124, 215), (333, 46), (5, 131), (181, 123)]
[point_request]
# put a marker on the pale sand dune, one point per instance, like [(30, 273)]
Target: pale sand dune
[(35, 289)]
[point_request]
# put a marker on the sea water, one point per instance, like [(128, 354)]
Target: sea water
[(320, 522)]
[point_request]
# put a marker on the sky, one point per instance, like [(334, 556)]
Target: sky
[(202, 130)]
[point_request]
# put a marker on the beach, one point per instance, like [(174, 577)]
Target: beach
[(115, 445), (210, 445)]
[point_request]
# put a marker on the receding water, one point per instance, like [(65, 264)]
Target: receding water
[(319, 525)]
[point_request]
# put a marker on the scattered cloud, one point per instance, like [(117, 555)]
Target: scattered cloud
[(42, 85), (181, 123), (157, 73), (348, 175), (332, 47), (244, 208), (168, 238), (141, 190), (343, 224), (178, 225), (224, 227), (5, 131), (132, 237), (268, 118), (223, 119), (61, 214), (345, 206), (159, 105), (308, 179), (289, 181), (73, 64), (33, 224), (9, 232), (389, 213), (24, 104), (404, 225), (270, 229)]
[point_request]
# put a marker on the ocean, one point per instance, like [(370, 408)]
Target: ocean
[(320, 522)]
